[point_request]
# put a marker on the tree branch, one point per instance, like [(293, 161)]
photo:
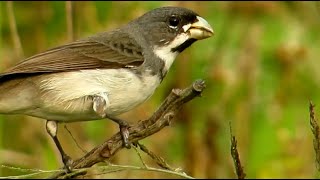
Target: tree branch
[(160, 119)]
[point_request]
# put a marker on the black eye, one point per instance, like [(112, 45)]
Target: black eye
[(174, 21)]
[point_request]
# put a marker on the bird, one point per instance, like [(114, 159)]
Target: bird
[(103, 75)]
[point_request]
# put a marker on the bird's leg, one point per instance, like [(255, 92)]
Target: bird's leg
[(100, 107), (52, 129), (123, 125)]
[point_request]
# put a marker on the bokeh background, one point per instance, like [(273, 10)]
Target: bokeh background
[(261, 68)]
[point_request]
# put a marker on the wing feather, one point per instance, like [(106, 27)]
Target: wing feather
[(96, 52)]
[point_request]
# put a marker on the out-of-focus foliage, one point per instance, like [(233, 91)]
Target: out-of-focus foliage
[(261, 68)]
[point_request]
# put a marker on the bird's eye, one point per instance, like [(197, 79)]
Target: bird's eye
[(174, 21)]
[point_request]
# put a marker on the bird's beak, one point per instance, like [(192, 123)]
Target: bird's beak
[(199, 29)]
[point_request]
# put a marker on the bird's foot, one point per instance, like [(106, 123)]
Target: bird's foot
[(125, 134), (100, 102), (124, 130), (67, 162)]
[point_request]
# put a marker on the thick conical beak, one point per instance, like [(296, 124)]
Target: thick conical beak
[(200, 29)]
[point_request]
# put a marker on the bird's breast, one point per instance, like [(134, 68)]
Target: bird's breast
[(68, 92)]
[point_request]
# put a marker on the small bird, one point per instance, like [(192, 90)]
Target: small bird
[(103, 75)]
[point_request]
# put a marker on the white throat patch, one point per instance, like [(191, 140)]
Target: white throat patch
[(165, 52)]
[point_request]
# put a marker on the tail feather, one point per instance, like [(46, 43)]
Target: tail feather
[(16, 95)]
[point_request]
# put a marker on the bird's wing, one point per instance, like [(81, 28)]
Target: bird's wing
[(97, 52)]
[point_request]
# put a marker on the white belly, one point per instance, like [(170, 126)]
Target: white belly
[(62, 96)]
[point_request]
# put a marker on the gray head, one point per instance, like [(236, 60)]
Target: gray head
[(166, 25)]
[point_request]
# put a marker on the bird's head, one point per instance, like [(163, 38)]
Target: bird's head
[(170, 30)]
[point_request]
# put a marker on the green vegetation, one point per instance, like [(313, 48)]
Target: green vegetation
[(261, 68)]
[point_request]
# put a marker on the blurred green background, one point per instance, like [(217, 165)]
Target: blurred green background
[(261, 68)]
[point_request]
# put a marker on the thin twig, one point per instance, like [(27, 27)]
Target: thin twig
[(181, 174), (140, 157), (25, 169), (30, 175), (316, 133), (14, 32), (159, 160), (104, 173), (111, 168), (25, 176), (116, 168), (74, 140), (235, 156)]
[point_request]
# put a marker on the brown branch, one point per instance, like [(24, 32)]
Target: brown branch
[(235, 156), (316, 133), (160, 119)]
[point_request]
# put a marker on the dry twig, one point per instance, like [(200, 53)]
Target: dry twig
[(316, 133), (159, 160), (235, 156)]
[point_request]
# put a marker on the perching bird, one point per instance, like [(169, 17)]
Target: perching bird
[(103, 75)]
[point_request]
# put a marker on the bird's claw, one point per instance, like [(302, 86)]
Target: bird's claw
[(125, 135), (67, 161)]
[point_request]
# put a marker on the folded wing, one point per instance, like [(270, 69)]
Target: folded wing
[(97, 52)]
